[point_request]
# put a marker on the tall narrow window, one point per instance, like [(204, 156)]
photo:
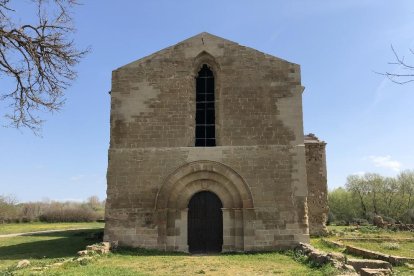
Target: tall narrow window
[(205, 117)]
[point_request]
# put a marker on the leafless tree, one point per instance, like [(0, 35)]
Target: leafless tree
[(38, 58), (408, 69)]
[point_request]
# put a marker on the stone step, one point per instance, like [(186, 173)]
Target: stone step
[(359, 264), (375, 272), (394, 260)]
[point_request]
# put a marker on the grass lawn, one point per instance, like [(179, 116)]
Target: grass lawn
[(40, 248), (10, 228), (367, 232), (43, 249), (144, 263), (405, 248)]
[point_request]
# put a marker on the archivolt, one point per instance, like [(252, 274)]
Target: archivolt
[(198, 176), (205, 58)]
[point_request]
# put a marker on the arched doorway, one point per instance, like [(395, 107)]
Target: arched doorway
[(173, 199), (205, 223)]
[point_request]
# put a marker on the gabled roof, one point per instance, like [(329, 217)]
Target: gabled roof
[(199, 40)]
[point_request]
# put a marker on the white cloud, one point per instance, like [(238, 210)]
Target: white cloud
[(385, 162)]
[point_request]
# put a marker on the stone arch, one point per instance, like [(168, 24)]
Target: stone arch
[(213, 172), (179, 187), (205, 58)]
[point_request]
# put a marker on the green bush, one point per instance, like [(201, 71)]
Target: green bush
[(68, 215)]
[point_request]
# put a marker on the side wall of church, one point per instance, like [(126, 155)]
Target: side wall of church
[(259, 132), (317, 185)]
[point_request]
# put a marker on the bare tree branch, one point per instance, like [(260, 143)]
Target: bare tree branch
[(400, 78), (39, 58)]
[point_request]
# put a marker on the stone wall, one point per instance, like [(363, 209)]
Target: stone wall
[(257, 169), (317, 185), (258, 97)]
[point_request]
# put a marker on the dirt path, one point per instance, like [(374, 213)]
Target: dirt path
[(42, 232)]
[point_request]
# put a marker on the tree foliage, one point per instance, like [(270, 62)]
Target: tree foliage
[(38, 57), (372, 194), (50, 211)]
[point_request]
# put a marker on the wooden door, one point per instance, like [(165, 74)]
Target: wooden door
[(205, 223)]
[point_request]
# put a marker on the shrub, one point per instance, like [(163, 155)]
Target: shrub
[(50, 211), (71, 214), (388, 219), (341, 223), (370, 229), (360, 221), (9, 211)]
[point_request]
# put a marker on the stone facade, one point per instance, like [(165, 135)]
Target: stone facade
[(257, 168), (317, 185)]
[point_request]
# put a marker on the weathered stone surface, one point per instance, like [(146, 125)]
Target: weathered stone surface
[(317, 185), (336, 256), (375, 272), (359, 264), (321, 258), (23, 264), (84, 259), (101, 248), (395, 260), (378, 221), (83, 253), (258, 168)]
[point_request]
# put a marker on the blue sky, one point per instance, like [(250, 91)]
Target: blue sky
[(366, 120)]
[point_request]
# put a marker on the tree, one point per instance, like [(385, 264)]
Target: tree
[(8, 209), (372, 194), (401, 78), (374, 184), (343, 205), (359, 187), (406, 180), (94, 203), (38, 58)]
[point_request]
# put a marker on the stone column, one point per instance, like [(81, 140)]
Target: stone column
[(228, 229), (238, 230), (317, 185), (249, 218), (182, 225)]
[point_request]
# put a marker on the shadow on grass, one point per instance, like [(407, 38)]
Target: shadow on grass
[(65, 233), (128, 251), (61, 244)]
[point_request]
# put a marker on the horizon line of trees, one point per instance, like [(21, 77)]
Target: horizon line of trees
[(51, 211), (371, 194)]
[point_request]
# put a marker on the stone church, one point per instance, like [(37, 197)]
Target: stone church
[(207, 152)]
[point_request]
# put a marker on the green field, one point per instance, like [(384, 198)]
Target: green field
[(11, 228), (380, 240), (45, 249), (145, 263), (379, 243)]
